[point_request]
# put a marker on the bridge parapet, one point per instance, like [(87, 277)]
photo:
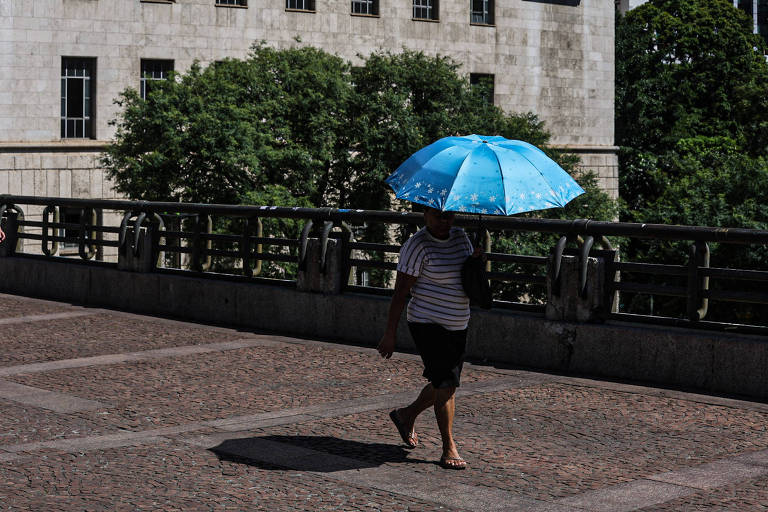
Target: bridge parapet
[(578, 278), (324, 273)]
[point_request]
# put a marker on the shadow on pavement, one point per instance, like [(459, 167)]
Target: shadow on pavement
[(311, 453)]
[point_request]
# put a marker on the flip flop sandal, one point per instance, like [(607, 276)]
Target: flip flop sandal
[(408, 438), (459, 463)]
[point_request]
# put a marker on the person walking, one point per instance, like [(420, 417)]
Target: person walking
[(438, 314)]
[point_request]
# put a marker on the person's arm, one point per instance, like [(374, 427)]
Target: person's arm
[(2, 235), (403, 285)]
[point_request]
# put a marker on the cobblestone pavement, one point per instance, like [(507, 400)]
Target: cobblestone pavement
[(103, 410)]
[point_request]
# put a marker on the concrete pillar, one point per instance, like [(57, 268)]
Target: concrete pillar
[(315, 277), (145, 258), (565, 299)]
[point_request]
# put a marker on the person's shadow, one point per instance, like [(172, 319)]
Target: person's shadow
[(311, 453)]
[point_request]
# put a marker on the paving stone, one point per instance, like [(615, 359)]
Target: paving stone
[(44, 317), (167, 476), (11, 307), (303, 425), (21, 423), (746, 496), (549, 441), (627, 496), (202, 387), (96, 335), (715, 474)]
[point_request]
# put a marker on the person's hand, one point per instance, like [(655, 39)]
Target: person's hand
[(2, 235), (386, 345), (479, 252)]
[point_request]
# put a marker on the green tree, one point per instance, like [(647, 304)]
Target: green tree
[(407, 100), (305, 128), (687, 68), (300, 118), (707, 181), (692, 120), (237, 126)]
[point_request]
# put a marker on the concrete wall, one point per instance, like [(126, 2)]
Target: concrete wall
[(56, 170), (554, 60), (626, 5), (712, 362)]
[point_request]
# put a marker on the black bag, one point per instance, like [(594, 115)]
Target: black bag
[(475, 282)]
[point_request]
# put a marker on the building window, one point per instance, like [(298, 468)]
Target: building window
[(300, 5), (425, 9), (370, 7), (482, 12), (762, 19), (758, 11), (236, 3), (78, 78), (483, 82), (151, 70)]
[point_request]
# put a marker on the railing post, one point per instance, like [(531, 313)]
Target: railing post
[(245, 246), (139, 249), (324, 267), (85, 249), (99, 235), (195, 264), (579, 284), (54, 248), (9, 216), (697, 305)]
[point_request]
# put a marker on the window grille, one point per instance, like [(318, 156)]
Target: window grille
[(152, 70), (482, 12), (300, 5), (241, 3), (425, 9), (365, 7), (77, 97)]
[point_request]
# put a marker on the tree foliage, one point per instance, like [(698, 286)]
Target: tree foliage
[(692, 120), (687, 68), (216, 134), (300, 127), (691, 114), (326, 132)]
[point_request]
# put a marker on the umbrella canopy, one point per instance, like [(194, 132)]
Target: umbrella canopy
[(483, 174)]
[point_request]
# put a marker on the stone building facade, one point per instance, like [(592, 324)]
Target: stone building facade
[(63, 62)]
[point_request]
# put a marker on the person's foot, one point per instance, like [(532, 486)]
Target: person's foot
[(407, 434), (451, 459), (452, 463)]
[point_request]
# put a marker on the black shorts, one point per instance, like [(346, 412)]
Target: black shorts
[(442, 352)]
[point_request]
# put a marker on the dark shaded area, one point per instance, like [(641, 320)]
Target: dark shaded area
[(328, 454), (571, 3)]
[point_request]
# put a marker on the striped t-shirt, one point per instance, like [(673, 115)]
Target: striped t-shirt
[(437, 296)]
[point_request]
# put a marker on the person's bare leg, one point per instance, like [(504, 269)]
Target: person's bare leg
[(445, 406), (424, 401)]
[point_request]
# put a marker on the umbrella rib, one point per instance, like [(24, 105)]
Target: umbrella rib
[(456, 176), (560, 197), (501, 175)]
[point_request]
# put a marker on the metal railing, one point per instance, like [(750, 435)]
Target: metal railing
[(255, 243)]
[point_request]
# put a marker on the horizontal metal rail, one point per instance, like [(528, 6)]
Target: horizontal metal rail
[(192, 247), (581, 227), (650, 268)]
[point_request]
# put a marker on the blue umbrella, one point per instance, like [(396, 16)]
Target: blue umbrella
[(483, 174)]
